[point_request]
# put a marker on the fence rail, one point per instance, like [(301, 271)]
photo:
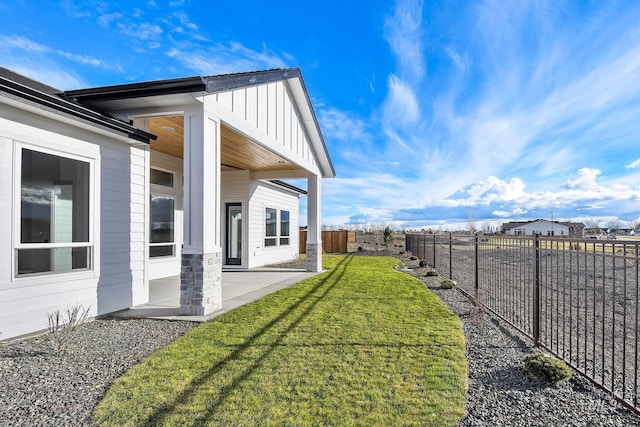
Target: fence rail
[(577, 298)]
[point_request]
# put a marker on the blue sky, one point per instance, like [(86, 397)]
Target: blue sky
[(432, 111)]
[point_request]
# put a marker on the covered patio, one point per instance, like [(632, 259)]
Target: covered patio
[(216, 199), (239, 287)]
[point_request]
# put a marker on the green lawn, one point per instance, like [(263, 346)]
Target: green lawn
[(360, 344)]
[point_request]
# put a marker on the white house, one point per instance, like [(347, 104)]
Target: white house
[(544, 228), (107, 188)]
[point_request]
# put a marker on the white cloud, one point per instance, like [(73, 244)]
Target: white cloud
[(223, 59), (48, 73), (89, 60), (25, 54), (401, 106), (494, 189), (144, 31), (184, 20), (106, 19), (459, 61), (343, 126), (403, 32), (74, 10), (584, 180), (23, 43), (633, 164)]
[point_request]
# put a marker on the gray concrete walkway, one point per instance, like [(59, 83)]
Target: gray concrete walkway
[(239, 287)]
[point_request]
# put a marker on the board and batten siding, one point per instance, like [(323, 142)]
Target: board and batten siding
[(270, 109), (263, 196)]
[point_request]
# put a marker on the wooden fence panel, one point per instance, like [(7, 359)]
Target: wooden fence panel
[(333, 242)]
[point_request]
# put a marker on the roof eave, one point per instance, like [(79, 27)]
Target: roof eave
[(137, 90), (55, 103)]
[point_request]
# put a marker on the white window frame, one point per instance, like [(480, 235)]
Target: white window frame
[(166, 191), (280, 235), (19, 146), (276, 236)]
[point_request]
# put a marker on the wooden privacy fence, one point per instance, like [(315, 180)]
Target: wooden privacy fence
[(333, 242)]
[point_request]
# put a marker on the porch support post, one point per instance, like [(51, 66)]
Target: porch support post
[(314, 223), (201, 270)]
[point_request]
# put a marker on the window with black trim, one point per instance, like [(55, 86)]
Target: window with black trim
[(55, 214)]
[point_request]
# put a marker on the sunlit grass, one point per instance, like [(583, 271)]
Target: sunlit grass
[(361, 344)]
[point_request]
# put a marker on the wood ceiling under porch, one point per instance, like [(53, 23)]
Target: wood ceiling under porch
[(238, 152)]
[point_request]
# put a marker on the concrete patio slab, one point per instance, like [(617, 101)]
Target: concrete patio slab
[(239, 287)]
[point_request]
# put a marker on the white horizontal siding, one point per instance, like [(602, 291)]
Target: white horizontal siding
[(32, 315), (25, 301), (262, 197), (123, 227), (234, 185)]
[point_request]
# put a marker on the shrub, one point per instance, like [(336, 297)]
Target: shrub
[(432, 273), (61, 330), (360, 249), (423, 263), (413, 258), (547, 367), (448, 284)]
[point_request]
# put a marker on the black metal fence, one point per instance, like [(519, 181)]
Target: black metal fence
[(577, 298)]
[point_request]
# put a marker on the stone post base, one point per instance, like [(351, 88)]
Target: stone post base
[(201, 284), (314, 257)]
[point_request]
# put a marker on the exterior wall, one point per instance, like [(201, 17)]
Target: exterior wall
[(270, 110), (262, 196), (542, 227), (123, 282), (116, 217), (169, 266)]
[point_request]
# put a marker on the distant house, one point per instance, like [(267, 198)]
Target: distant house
[(544, 228), (107, 188)]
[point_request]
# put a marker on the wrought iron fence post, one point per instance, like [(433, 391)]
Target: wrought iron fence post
[(536, 289), (434, 251), (476, 275), (450, 256)]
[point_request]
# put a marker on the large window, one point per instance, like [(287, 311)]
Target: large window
[(276, 232), (162, 240), (271, 227), (54, 214)]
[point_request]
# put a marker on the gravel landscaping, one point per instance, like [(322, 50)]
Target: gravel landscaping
[(38, 387), (501, 392)]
